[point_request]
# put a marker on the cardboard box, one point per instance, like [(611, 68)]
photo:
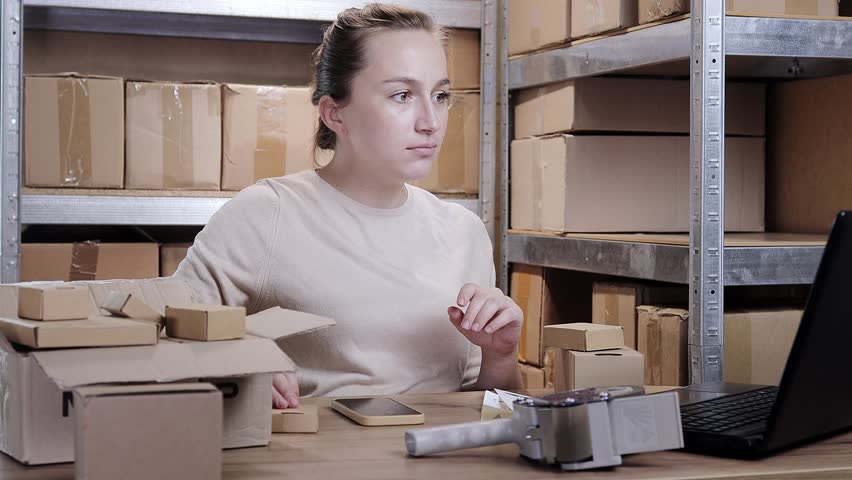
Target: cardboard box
[(822, 8), (615, 303), (205, 322), (88, 261), (304, 419), (127, 305), (584, 337), (591, 17), (54, 302), (91, 332), (533, 25), (653, 10), (548, 297), (34, 382), (174, 136), (463, 59), (456, 169), (532, 377), (757, 344), (266, 132), (73, 131), (124, 432), (600, 104), (608, 368), (580, 184), (808, 168), (171, 254), (663, 339)]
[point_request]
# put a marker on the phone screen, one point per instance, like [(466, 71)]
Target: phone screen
[(376, 407)]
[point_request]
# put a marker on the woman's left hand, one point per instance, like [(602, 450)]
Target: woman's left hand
[(492, 320)]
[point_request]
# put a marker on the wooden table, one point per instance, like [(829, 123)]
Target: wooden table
[(343, 449)]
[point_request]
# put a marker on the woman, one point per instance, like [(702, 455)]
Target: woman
[(354, 242)]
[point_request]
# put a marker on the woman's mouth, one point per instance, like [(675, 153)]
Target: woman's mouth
[(424, 150)]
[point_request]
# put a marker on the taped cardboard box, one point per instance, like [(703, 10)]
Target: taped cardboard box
[(663, 337), (548, 297), (35, 382), (73, 131), (123, 431), (174, 136), (607, 368), (591, 17), (533, 25), (581, 184), (171, 254), (757, 344), (584, 337), (808, 167), (205, 323), (653, 10), (463, 59), (53, 302), (88, 261), (533, 377), (616, 303), (599, 104), (304, 419), (822, 8), (456, 168), (267, 131)]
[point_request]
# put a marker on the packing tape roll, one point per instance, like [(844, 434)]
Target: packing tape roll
[(75, 132), (84, 261)]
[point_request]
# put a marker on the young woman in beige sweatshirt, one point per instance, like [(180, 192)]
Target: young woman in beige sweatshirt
[(408, 278)]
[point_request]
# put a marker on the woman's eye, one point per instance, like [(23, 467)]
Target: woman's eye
[(442, 97), (402, 97)]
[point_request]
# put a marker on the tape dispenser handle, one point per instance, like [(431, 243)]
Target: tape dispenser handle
[(428, 441)]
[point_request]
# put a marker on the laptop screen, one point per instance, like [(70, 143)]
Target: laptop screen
[(816, 389)]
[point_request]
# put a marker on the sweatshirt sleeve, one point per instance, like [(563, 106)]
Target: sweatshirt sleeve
[(228, 262)]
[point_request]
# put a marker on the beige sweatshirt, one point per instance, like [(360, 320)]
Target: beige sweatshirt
[(387, 276)]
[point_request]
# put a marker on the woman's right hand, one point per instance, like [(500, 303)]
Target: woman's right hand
[(285, 390)]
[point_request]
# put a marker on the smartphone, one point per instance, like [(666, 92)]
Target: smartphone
[(378, 411)]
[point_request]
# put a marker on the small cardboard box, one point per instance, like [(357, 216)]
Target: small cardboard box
[(53, 302), (663, 339), (36, 382), (587, 184), (127, 305), (91, 332), (73, 131), (125, 432), (304, 419), (607, 368), (88, 261), (174, 136), (456, 169), (463, 59), (171, 254), (548, 297), (822, 8), (533, 377), (265, 133), (205, 323), (757, 344), (653, 10), (591, 17), (584, 337), (600, 104), (615, 303), (533, 25)]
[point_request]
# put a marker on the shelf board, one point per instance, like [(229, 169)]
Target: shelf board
[(768, 45), (750, 259), (138, 207)]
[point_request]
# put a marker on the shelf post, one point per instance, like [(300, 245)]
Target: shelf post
[(11, 39)]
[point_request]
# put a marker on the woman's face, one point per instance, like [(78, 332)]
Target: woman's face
[(397, 114)]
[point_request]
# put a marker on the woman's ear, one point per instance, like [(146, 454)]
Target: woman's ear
[(329, 113)]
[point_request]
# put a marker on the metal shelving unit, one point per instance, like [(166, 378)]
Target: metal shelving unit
[(700, 45), (265, 20)]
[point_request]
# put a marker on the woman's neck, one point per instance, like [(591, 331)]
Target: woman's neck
[(362, 185)]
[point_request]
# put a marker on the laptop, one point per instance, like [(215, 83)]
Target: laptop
[(814, 398)]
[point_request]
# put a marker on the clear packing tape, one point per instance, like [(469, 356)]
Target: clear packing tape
[(658, 9), (75, 131)]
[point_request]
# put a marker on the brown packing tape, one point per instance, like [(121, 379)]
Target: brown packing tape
[(84, 261), (177, 136), (611, 307), (654, 353), (523, 292), (75, 132), (270, 152)]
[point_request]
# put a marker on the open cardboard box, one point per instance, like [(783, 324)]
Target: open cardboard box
[(36, 385)]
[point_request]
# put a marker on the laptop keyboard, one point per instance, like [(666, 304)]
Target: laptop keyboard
[(729, 413)]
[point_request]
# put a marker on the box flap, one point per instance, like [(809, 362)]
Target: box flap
[(110, 390), (229, 358), (277, 323), (72, 75)]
